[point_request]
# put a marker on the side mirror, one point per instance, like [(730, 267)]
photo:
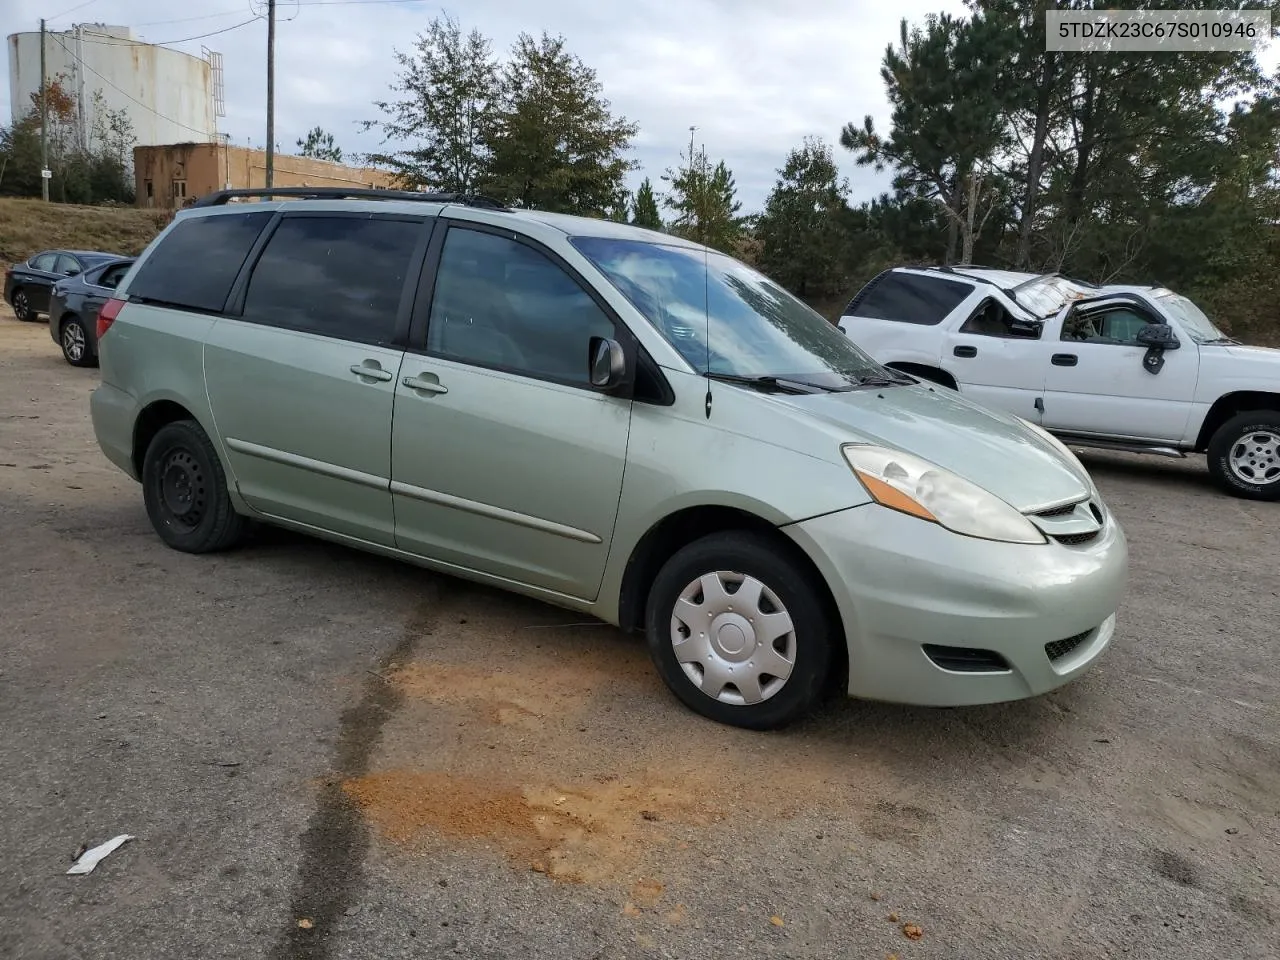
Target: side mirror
[(608, 362), (1158, 336)]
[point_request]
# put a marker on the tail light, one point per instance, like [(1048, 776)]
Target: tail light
[(107, 315)]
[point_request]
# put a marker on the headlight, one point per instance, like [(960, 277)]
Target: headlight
[(903, 482)]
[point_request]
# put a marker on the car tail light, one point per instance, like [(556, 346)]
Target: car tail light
[(107, 315)]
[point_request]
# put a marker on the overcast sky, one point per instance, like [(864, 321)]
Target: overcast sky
[(755, 76)]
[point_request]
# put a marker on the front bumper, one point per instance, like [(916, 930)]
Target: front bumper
[(901, 583)]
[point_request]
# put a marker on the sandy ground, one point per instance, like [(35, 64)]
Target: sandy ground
[(324, 754)]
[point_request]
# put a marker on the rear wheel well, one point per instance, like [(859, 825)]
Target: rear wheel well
[(148, 424), (925, 372), (672, 533), (1228, 406)]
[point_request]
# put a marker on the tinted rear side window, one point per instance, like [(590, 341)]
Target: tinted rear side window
[(336, 276), (197, 261), (909, 298)]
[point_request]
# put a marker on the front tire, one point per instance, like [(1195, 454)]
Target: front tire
[(1244, 455), (738, 633), (22, 306), (185, 491), (75, 343)]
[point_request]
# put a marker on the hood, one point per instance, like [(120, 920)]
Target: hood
[(1268, 355), (994, 450)]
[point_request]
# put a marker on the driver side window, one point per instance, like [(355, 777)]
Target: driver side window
[(993, 320), (501, 303), (1118, 326)]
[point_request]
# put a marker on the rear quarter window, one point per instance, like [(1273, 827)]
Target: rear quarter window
[(195, 264), (909, 298)]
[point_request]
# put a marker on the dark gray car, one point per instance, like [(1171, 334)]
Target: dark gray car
[(28, 286), (74, 306)]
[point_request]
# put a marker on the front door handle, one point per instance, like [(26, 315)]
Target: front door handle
[(1064, 360), (426, 386), (374, 372), (965, 351)]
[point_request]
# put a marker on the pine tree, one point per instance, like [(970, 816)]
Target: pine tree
[(802, 233), (319, 144), (704, 199), (645, 211)]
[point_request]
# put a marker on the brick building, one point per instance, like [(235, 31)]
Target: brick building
[(168, 176)]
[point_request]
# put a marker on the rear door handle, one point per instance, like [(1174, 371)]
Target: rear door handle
[(372, 373), (426, 386), (1064, 360), (965, 351)]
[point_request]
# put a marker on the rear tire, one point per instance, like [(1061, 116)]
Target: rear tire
[(765, 653), (185, 491), (75, 343), (1244, 455), (22, 306)]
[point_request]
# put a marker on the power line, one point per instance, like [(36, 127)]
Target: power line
[(110, 41), (72, 10), (125, 93), (206, 16)]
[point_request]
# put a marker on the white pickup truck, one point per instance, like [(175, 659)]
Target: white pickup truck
[(1120, 367)]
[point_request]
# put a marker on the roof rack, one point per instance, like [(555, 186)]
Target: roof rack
[(219, 198)]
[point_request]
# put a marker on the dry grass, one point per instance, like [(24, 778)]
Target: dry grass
[(29, 226)]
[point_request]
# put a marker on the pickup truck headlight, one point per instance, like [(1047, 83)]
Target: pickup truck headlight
[(922, 489)]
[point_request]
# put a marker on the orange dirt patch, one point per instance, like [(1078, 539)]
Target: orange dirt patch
[(589, 833)]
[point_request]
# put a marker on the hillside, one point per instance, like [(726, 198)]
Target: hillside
[(29, 226)]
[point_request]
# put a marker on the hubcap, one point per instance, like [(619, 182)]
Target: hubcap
[(20, 305), (182, 489), (73, 341), (1255, 458), (733, 638)]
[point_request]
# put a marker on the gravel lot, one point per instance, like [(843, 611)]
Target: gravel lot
[(325, 754)]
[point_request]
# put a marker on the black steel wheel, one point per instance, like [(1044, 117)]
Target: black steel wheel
[(185, 491)]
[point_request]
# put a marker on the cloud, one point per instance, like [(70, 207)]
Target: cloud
[(754, 76)]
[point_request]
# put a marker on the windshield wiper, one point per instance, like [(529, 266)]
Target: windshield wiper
[(880, 380), (782, 384), (1229, 340)]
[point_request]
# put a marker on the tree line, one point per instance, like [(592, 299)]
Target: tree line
[(1113, 167), (92, 164)]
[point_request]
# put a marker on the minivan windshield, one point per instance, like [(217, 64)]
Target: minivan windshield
[(726, 319)]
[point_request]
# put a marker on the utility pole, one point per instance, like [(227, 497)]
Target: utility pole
[(44, 123), (271, 92)]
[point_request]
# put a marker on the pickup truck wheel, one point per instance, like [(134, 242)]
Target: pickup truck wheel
[(738, 633), (1244, 455), (185, 491)]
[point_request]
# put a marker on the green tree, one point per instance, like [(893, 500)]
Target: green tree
[(319, 144), (705, 202), (645, 210), (553, 142), (447, 89), (946, 125), (620, 210), (803, 235)]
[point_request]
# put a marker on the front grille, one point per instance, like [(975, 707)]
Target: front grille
[(1075, 539), (1060, 648), (966, 659), (1057, 511)]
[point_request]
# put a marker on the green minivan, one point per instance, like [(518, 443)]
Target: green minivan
[(610, 419)]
